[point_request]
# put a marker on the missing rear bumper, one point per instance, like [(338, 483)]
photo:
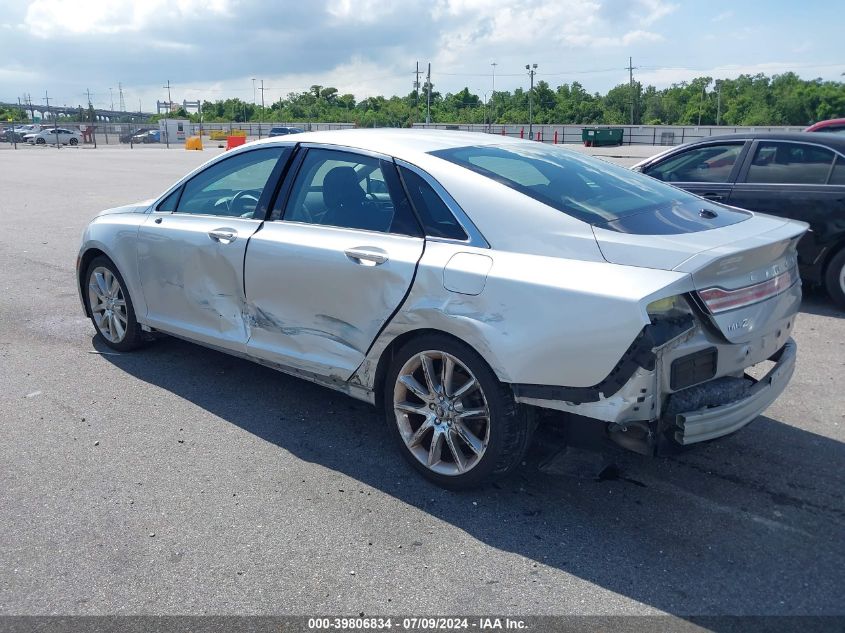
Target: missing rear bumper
[(709, 422)]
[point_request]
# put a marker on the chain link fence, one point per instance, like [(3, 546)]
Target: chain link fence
[(139, 135)]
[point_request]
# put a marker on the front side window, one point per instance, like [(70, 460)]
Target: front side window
[(712, 163), (231, 187), (790, 163), (349, 190), (591, 190)]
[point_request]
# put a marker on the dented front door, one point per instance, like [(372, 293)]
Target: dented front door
[(191, 269)]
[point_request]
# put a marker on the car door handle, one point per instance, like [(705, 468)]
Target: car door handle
[(224, 236), (713, 196), (366, 256)]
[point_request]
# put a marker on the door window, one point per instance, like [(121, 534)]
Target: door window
[(712, 163), (790, 163), (231, 187), (349, 190), (837, 176), (436, 217)]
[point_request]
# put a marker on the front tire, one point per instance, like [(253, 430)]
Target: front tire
[(835, 278), (40, 141), (74, 142), (452, 419), (110, 306)]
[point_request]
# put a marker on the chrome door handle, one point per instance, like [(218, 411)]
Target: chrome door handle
[(224, 236), (366, 256), (713, 196)]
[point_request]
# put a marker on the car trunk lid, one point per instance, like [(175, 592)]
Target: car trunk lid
[(744, 275)]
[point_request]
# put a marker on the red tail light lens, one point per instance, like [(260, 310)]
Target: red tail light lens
[(719, 300)]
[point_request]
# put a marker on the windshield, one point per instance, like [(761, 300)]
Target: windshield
[(589, 189)]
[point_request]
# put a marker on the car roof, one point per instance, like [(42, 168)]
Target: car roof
[(826, 138), (400, 143)]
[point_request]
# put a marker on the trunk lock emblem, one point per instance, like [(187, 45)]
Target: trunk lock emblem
[(707, 214)]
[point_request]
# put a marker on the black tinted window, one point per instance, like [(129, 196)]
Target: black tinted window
[(790, 163), (586, 188), (349, 190), (436, 217), (231, 187), (838, 175), (169, 203), (712, 163)]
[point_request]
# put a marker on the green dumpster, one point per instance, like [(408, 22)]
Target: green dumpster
[(598, 136)]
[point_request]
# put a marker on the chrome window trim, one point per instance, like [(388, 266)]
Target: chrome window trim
[(347, 149), (475, 238)]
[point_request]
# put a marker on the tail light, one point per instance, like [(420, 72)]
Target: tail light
[(718, 300)]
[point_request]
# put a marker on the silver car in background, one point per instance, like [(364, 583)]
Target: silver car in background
[(461, 282)]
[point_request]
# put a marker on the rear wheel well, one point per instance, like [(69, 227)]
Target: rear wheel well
[(833, 252), (84, 261), (396, 344)]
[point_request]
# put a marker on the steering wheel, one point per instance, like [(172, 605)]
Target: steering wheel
[(239, 198)]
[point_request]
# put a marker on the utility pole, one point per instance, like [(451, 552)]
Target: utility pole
[(428, 96), (122, 102), (701, 102), (532, 70), (718, 100), (492, 94), (91, 113), (55, 123), (169, 106), (417, 91), (111, 97), (261, 114), (631, 69)]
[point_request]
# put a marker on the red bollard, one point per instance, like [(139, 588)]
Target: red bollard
[(503, 130), (522, 133), (540, 136), (555, 137)]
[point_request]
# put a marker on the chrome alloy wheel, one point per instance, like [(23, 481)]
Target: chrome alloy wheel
[(441, 412), (108, 304)]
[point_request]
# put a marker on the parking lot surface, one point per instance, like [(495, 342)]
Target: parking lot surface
[(179, 480)]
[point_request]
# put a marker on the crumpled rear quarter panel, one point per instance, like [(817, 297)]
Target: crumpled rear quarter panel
[(539, 320)]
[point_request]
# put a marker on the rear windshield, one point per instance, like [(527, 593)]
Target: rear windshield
[(589, 189)]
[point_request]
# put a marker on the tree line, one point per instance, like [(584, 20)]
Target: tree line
[(784, 99)]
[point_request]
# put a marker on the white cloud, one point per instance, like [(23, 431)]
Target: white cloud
[(45, 18), (724, 15)]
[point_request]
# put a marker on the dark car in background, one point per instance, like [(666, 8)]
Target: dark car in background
[(282, 131), (148, 136), (831, 125), (792, 175), (127, 136)]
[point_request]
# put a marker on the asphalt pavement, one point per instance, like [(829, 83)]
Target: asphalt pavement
[(179, 480)]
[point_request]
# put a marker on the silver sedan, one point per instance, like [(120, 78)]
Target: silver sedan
[(463, 284)]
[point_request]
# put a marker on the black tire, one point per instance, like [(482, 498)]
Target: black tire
[(40, 141), (133, 336), (834, 278), (73, 142), (510, 425)]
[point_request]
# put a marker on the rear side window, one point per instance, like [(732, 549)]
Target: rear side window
[(436, 217), (712, 163), (790, 163), (589, 189), (837, 177)]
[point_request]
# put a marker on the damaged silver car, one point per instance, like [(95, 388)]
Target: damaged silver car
[(462, 282)]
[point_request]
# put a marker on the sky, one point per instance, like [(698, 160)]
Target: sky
[(213, 49)]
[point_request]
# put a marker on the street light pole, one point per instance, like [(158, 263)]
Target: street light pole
[(532, 70)]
